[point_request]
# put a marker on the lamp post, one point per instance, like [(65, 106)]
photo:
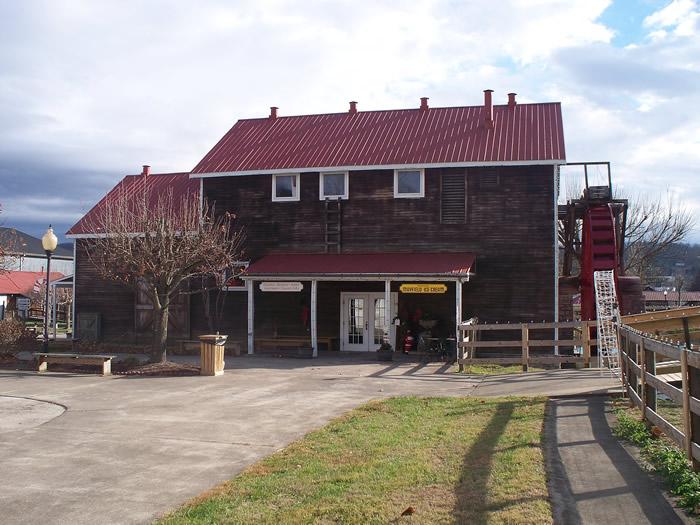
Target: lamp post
[(49, 242)]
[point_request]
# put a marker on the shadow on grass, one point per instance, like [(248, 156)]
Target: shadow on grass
[(472, 493)]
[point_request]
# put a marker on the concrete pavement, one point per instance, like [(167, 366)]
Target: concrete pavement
[(593, 479), (127, 449)]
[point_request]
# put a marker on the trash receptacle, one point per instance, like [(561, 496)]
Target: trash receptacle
[(211, 348)]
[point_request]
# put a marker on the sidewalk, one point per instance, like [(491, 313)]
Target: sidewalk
[(593, 478)]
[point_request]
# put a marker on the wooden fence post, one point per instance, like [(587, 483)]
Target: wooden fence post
[(693, 389), (637, 379), (586, 336), (687, 427), (686, 333), (642, 379), (650, 367), (624, 340), (526, 346), (461, 351)]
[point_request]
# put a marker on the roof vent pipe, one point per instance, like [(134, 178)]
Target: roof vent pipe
[(511, 100), (353, 107), (273, 112), (488, 108), (423, 103), (146, 170)]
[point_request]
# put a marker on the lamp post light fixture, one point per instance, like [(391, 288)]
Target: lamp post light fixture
[(49, 242)]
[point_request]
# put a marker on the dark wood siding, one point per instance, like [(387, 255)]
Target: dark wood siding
[(509, 226), (113, 301)]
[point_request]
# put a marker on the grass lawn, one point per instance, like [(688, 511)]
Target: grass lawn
[(493, 369), (463, 460)]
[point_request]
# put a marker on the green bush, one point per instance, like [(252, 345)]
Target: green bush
[(666, 460)]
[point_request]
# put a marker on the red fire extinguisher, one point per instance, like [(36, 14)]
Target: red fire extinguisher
[(407, 342)]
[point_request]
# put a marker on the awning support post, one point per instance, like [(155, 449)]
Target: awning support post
[(458, 313), (251, 319), (388, 314), (314, 324)]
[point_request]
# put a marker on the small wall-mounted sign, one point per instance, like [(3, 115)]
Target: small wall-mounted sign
[(281, 286), (423, 288), (23, 303)]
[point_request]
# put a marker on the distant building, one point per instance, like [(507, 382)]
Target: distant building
[(662, 300), (27, 253), (17, 289)]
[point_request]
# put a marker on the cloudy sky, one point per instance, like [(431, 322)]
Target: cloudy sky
[(91, 90)]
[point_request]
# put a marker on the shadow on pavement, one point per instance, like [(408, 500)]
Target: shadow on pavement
[(591, 474)]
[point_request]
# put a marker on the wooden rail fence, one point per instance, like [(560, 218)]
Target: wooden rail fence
[(471, 341), (640, 354)]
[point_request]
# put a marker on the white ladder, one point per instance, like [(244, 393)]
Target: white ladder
[(608, 315)]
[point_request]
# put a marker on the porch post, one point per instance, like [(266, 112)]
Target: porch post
[(314, 324), (458, 312), (251, 319), (387, 312)]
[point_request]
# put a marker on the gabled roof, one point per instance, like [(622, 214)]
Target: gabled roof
[(23, 244), (346, 264), (133, 186), (22, 283), (525, 133)]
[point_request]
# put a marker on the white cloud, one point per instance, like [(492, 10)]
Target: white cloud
[(110, 86), (680, 16)]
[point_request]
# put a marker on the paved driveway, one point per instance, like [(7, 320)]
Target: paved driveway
[(127, 449)]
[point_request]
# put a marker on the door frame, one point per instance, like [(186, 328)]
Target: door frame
[(369, 298)]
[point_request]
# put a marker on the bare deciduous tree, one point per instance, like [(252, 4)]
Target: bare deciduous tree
[(158, 244), (653, 225)]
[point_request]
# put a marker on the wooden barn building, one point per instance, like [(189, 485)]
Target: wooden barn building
[(362, 225)]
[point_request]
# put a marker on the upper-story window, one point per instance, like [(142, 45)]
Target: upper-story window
[(285, 187), (333, 185), (409, 184)]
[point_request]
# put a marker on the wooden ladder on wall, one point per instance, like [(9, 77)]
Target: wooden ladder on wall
[(333, 221)]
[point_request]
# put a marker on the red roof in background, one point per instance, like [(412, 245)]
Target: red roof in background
[(527, 132), (22, 283), (671, 297), (134, 185), (445, 264)]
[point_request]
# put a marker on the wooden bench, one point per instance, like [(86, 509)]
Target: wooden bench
[(263, 344), (43, 359)]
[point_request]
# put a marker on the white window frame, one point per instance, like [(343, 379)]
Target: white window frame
[(293, 198), (320, 185), (418, 195)]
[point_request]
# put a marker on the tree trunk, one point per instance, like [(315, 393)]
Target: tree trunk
[(206, 302), (160, 335)]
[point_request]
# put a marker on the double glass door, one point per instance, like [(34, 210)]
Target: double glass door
[(362, 320)]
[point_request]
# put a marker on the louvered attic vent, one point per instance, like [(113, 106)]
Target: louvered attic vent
[(453, 198), (488, 178)]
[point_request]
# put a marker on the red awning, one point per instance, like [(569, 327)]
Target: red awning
[(363, 264)]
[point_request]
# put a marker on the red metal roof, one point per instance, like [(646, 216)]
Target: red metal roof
[(134, 185), (22, 283), (429, 264), (524, 133)]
